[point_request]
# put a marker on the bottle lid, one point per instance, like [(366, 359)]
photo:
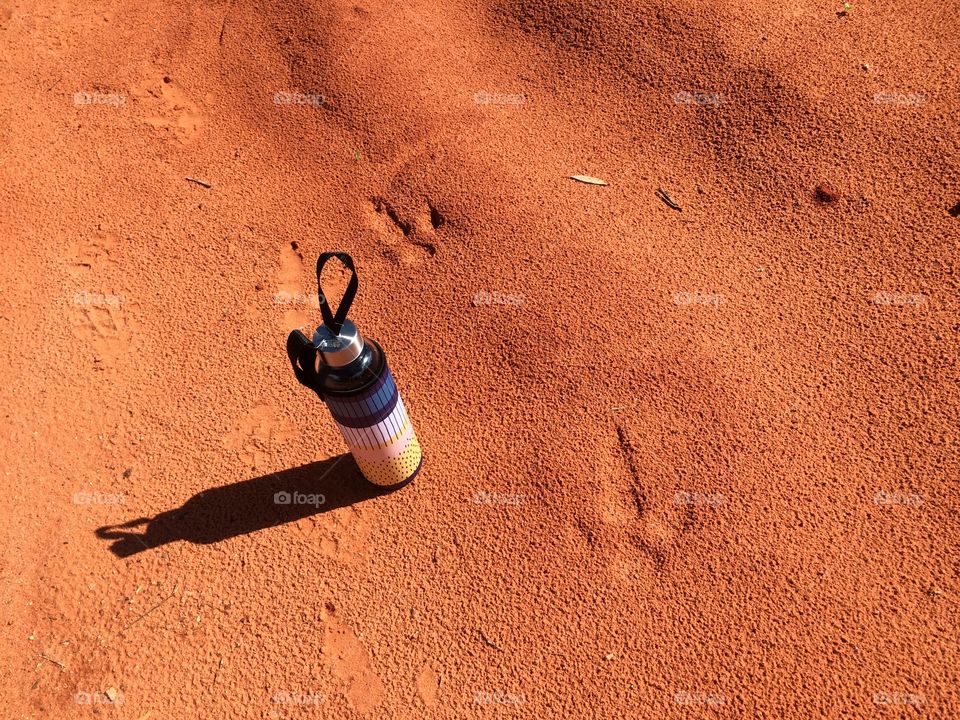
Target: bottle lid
[(340, 349)]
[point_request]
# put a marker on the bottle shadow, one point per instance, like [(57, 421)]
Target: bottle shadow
[(245, 507)]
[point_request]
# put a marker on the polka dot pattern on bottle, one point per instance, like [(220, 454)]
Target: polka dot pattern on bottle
[(379, 434)]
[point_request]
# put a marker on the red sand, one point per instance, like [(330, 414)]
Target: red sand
[(678, 463)]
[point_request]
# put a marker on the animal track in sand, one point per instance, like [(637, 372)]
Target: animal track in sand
[(291, 266), (169, 108), (106, 322), (428, 685), (407, 240), (349, 662), (636, 516), (104, 319), (88, 255), (299, 306), (343, 533), (256, 435)]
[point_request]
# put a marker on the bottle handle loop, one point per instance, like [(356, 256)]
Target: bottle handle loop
[(303, 358), (335, 321)]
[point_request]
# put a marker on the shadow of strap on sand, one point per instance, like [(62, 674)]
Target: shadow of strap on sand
[(245, 507)]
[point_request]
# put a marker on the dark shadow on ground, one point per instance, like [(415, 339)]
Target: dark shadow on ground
[(245, 507)]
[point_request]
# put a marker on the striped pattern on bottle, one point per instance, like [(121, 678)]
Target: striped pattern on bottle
[(378, 431)]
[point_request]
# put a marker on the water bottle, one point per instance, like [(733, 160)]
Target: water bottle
[(350, 374)]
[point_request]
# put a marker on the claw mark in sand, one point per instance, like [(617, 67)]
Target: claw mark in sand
[(93, 254), (109, 328), (342, 533), (653, 526), (636, 491), (407, 240), (172, 112)]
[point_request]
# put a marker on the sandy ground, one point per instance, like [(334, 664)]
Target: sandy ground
[(679, 463)]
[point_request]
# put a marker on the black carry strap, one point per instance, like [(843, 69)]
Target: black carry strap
[(303, 357), (302, 352), (335, 322)]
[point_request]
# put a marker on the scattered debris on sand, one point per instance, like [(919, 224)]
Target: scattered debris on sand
[(588, 179), (669, 201)]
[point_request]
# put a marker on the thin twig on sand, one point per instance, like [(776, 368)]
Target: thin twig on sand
[(55, 662), (175, 588), (489, 642), (203, 183), (662, 194)]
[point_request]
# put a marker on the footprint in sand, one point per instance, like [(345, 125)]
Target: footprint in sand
[(428, 686), (343, 533), (664, 463), (167, 107), (93, 253), (106, 322), (256, 435), (349, 662), (103, 319), (300, 308), (637, 518), (407, 240)]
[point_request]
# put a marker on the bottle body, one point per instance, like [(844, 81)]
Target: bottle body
[(351, 376), (366, 405)]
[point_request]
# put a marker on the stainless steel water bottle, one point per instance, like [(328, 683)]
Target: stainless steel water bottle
[(350, 374)]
